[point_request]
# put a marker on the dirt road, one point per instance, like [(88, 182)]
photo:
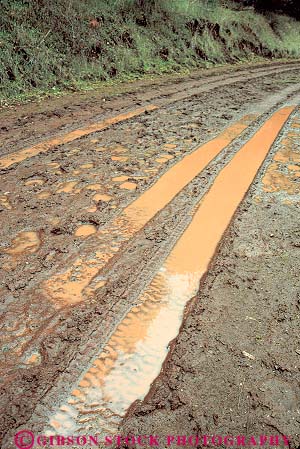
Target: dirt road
[(112, 221)]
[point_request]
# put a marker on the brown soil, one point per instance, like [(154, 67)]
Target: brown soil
[(22, 125)]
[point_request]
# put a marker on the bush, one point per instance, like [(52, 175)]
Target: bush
[(63, 43)]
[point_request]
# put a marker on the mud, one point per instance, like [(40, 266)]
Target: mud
[(57, 116), (59, 209), (234, 368), (134, 353)]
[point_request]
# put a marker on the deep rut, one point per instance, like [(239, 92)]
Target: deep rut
[(59, 337)]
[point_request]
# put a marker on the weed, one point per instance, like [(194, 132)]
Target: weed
[(63, 44)]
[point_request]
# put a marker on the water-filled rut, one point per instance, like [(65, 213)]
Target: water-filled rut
[(133, 356)]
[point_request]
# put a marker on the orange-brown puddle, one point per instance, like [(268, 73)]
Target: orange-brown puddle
[(68, 287), (170, 146), (164, 158), (21, 155), (44, 195), (26, 242), (119, 158), (120, 178), (93, 187), (33, 359), (87, 165), (85, 230), (67, 187), (102, 197), (34, 182), (128, 186), (133, 355), (283, 174), (92, 209)]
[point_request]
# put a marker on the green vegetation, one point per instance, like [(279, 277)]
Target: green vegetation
[(61, 44), (290, 7)]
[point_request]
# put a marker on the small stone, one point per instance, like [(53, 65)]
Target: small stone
[(249, 356)]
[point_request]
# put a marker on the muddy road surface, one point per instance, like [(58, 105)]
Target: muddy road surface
[(150, 260)]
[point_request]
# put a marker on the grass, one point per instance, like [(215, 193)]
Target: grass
[(67, 44)]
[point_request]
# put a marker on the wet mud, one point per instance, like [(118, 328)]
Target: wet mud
[(135, 352), (87, 225), (234, 368)]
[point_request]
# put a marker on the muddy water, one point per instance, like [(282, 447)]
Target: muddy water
[(67, 187), (93, 187), (120, 178), (34, 182), (128, 185), (283, 174), (132, 358), (26, 242), (21, 155), (85, 230), (102, 197), (68, 287), (119, 158)]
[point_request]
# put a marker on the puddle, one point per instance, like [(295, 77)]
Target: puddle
[(34, 359), (55, 221), (93, 187), (53, 164), (128, 186), (66, 187), (287, 154), (129, 362), (34, 182), (283, 174), (161, 160), (120, 178), (85, 230), (92, 209), (43, 195), (150, 170), (133, 355), (95, 285), (169, 146), (101, 197), (167, 156), (119, 158), (21, 155), (86, 166), (279, 182), (164, 158), (26, 242), (294, 167), (69, 287), (120, 150)]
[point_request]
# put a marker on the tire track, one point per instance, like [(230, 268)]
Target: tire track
[(217, 81), (79, 278), (132, 358)]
